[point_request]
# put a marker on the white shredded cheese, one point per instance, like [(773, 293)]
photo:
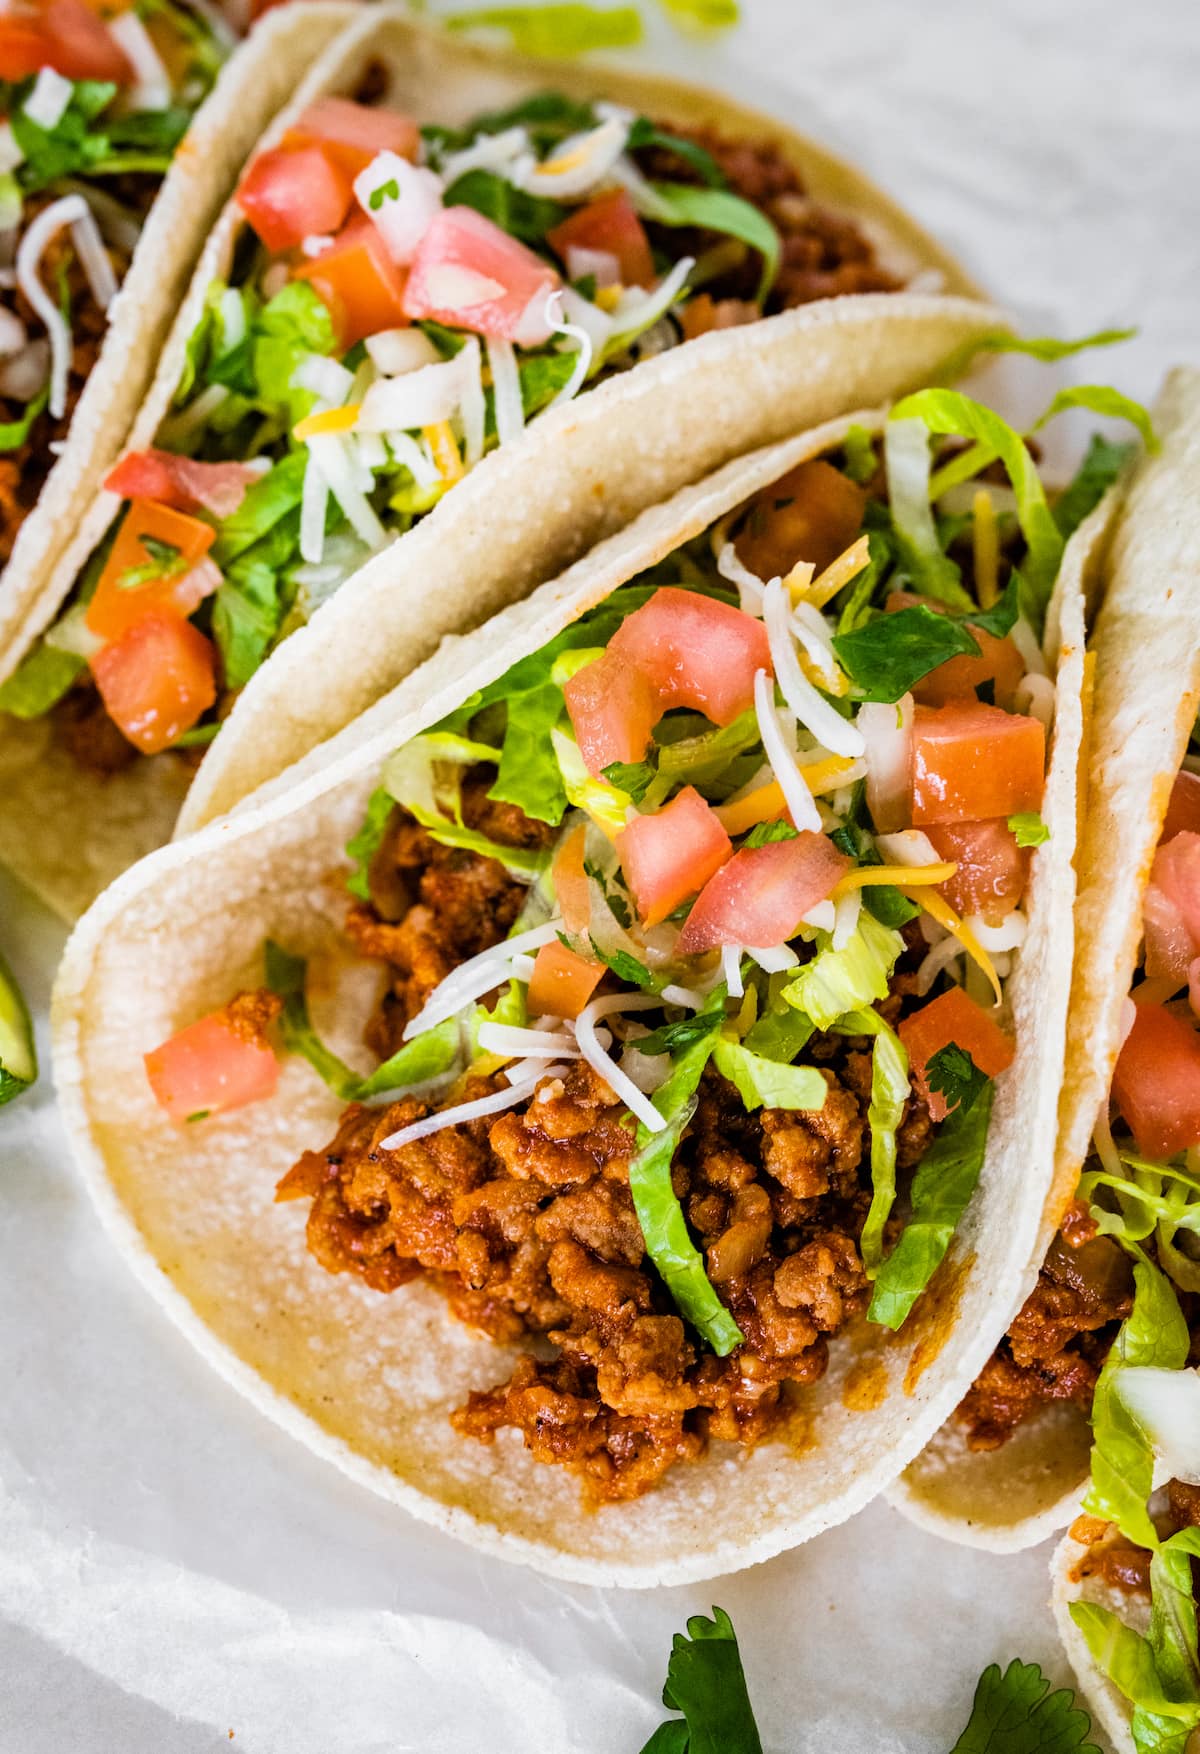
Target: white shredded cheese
[(322, 377), (472, 401), (527, 1044), (413, 455), (637, 310), (314, 500), (465, 1111), (622, 1087), (774, 958), (1008, 935), (424, 397), (478, 975), (800, 802), (823, 917), (908, 847), (684, 997), (750, 587), (845, 918), (94, 258), (583, 358), (338, 464), (581, 163), (152, 88), (489, 152), (506, 389), (731, 970), (396, 351), (37, 236), (812, 711)]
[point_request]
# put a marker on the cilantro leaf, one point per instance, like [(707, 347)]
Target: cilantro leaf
[(953, 1073), (166, 562), (634, 777), (1029, 828), (672, 1038), (389, 191), (1100, 467), (706, 1682), (627, 968), (1016, 1712), (764, 833)]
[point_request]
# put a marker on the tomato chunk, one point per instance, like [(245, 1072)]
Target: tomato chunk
[(999, 662), (760, 896), (972, 762), (65, 35), (470, 274), (359, 281), (992, 869), (696, 651), (813, 513), (953, 1017), (353, 133), (177, 545), (1183, 811), (670, 855), (156, 680), (1156, 1084), (217, 1063), (613, 710), (610, 224), (182, 483), (570, 881), (562, 982), (288, 196), (1171, 907)]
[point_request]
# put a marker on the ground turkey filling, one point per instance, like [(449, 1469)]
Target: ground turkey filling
[(527, 1224)]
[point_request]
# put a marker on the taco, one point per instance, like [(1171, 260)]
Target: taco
[(620, 1248), (360, 330), (1119, 1283)]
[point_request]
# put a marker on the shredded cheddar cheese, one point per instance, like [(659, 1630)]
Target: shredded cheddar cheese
[(987, 549), (328, 420), (940, 910), (914, 876), (608, 297), (445, 451), (798, 580), (839, 572), (767, 803)]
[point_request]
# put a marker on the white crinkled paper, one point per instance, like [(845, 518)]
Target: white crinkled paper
[(172, 1569)]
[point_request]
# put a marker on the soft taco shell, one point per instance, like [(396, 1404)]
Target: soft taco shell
[(1146, 691), (367, 1380), (576, 476), (1102, 1699)]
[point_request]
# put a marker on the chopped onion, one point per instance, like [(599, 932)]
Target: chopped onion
[(506, 389), (396, 351), (420, 398), (684, 997), (623, 1087), (908, 847), (465, 1111), (816, 641), (586, 315), (401, 219), (845, 921), (800, 802), (887, 734), (638, 311), (316, 243), (10, 153), (1166, 1404), (1008, 935), (478, 975), (1035, 694), (489, 152), (152, 90), (47, 102), (412, 455), (823, 917), (12, 333), (313, 502), (812, 711), (731, 970), (1022, 636), (580, 164), (72, 634), (37, 236), (773, 959), (337, 464), (473, 401), (750, 587), (22, 376), (529, 1044), (324, 378), (598, 265)]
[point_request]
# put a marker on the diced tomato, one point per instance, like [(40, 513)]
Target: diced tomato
[(181, 482), (65, 35), (760, 896), (354, 133), (696, 651), (972, 762), (999, 662), (156, 680), (288, 196), (470, 274), (610, 223), (672, 854), (570, 881), (992, 869), (213, 1065), (359, 281), (613, 709), (119, 604), (1171, 907), (1183, 811), (562, 982), (1156, 1084), (813, 513), (954, 1017)]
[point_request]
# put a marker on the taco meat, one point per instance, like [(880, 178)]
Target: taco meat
[(1117, 1561), (527, 1224)]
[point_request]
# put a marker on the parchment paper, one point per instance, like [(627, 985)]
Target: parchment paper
[(175, 1576)]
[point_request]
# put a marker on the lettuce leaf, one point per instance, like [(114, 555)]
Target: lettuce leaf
[(914, 533), (768, 1083), (941, 1190), (1101, 466), (1047, 348), (837, 981), (718, 210), (13, 433), (706, 15), (363, 846), (295, 323), (426, 778), (521, 215), (565, 29), (18, 1055), (889, 1093), (664, 1228), (1110, 404), (1154, 1333), (888, 656), (39, 681)]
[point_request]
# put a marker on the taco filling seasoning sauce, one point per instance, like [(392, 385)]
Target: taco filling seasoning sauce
[(686, 1053), (402, 301), (94, 101)]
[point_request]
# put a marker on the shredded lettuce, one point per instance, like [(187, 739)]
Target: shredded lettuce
[(1110, 404), (1047, 348), (909, 462), (1096, 474), (39, 681), (13, 433), (646, 133), (1154, 1333), (363, 845), (941, 1190), (851, 979), (426, 778), (564, 29), (18, 1056), (603, 803), (889, 1093), (719, 210), (768, 1083), (660, 1215), (521, 215)]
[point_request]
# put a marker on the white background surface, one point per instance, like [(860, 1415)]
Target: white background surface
[(173, 1571)]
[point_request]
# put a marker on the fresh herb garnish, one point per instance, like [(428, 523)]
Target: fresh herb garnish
[(1016, 1711), (166, 562), (706, 1682), (765, 833), (634, 777), (672, 1038), (953, 1074), (389, 191)]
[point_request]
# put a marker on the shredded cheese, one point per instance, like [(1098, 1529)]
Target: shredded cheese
[(839, 572), (900, 876), (986, 542), (944, 914), (34, 242), (327, 420), (444, 446)]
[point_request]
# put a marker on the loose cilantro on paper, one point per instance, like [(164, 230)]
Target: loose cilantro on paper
[(1015, 1711), (707, 1684)]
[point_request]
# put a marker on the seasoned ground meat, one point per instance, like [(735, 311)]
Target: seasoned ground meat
[(1114, 1559), (824, 253), (527, 1225), (1057, 1342)]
